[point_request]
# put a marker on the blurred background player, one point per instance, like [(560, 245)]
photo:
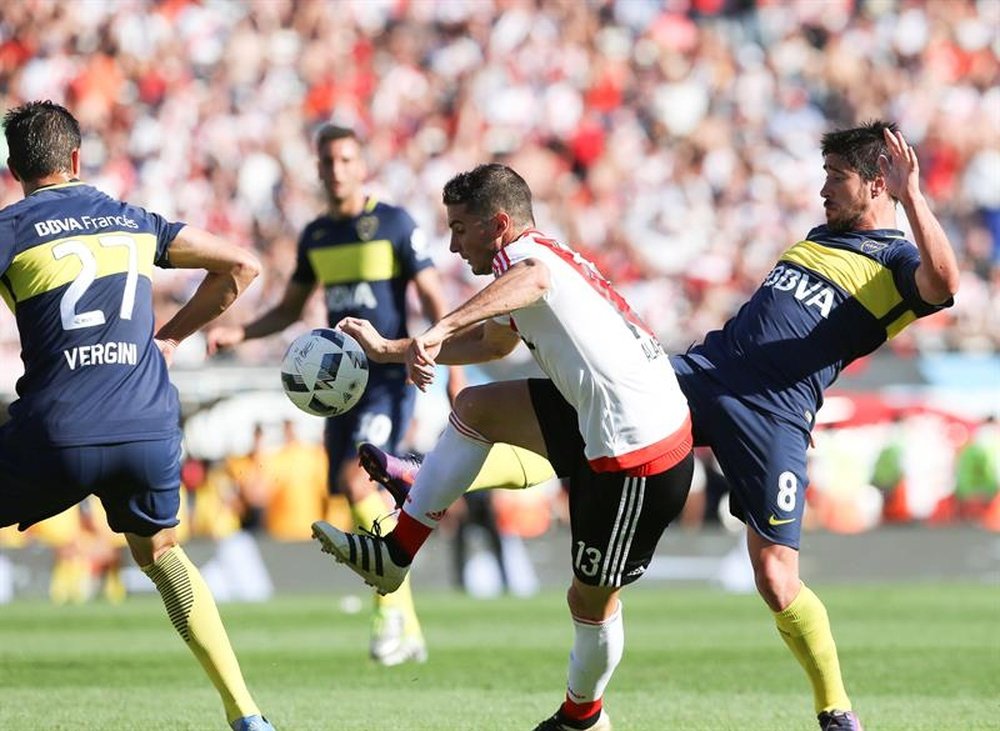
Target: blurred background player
[(609, 416), (364, 253), (75, 268)]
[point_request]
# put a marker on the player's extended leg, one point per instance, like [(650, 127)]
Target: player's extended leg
[(396, 636), (598, 644), (506, 467), (446, 473), (194, 615), (803, 624)]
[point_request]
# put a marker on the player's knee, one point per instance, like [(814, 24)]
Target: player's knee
[(147, 550), (777, 582), (592, 603), (471, 406)]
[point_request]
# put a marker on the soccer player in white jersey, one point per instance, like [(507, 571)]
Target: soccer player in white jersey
[(610, 417)]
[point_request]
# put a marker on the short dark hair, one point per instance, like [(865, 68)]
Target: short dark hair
[(330, 132), (41, 137), (490, 188), (860, 146)]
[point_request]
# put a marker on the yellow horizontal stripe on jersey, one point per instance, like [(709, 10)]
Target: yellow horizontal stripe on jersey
[(863, 278), (361, 261), (37, 270), (893, 328)]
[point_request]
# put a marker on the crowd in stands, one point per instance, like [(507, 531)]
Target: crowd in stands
[(675, 142)]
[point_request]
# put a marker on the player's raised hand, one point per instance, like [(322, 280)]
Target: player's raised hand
[(900, 168), (220, 338)]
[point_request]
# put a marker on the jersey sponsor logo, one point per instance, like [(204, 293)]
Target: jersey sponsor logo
[(810, 290), (435, 515), (350, 297), (56, 226), (773, 520), (113, 353)]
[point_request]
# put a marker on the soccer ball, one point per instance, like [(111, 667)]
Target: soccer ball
[(324, 372)]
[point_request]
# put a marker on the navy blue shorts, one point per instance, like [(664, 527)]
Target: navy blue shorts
[(138, 483), (762, 455), (616, 519), (381, 417)]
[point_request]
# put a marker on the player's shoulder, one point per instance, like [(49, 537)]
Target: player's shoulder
[(882, 245), (387, 212)]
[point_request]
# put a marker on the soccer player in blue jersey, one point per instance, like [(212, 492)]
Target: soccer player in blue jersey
[(754, 386), (364, 253), (96, 412)]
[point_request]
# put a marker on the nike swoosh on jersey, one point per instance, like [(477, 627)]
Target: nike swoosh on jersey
[(779, 521)]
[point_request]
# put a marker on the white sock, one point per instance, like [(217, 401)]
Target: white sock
[(597, 650), (446, 473)]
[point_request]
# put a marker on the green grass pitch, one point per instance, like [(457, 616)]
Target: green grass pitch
[(914, 657)]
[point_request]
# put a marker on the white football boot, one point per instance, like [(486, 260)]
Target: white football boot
[(390, 643), (366, 555)]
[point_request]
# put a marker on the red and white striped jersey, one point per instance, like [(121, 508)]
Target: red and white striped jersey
[(603, 359)]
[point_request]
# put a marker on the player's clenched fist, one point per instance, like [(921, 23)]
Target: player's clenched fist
[(220, 338)]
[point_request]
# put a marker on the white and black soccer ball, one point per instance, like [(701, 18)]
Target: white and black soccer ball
[(324, 372)]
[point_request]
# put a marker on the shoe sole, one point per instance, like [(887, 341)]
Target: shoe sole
[(327, 546), (373, 462)]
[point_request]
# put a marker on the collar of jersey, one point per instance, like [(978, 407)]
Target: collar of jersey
[(526, 232), (54, 186)]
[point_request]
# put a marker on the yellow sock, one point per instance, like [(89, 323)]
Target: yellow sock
[(805, 628), (365, 512), (512, 468), (194, 615)]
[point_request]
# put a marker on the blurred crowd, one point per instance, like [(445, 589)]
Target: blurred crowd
[(675, 141)]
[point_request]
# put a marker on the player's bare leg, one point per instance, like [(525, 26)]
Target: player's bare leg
[(803, 624), (192, 611), (396, 636)]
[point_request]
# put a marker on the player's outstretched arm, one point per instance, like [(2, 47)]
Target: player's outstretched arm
[(283, 314), (937, 276), (230, 270), (377, 348)]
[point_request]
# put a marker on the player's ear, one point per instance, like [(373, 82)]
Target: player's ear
[(74, 161), (501, 222), (877, 186)]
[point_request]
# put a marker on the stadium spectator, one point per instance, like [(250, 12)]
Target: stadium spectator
[(609, 416), (296, 486), (210, 94), (67, 247)]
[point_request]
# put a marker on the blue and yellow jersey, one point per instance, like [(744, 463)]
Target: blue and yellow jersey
[(364, 264), (76, 270), (829, 300)]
